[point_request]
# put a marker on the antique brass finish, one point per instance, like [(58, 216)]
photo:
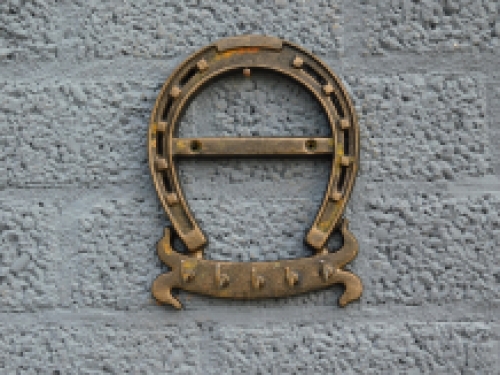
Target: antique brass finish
[(257, 279), (251, 146)]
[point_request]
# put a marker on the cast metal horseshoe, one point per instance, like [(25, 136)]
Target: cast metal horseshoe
[(244, 280)]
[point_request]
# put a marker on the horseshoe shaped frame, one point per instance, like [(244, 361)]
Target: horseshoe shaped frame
[(249, 280)]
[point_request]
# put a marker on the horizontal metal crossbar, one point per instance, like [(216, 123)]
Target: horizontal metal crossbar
[(243, 146)]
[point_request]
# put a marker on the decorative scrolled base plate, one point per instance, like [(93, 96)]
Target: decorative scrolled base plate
[(251, 280)]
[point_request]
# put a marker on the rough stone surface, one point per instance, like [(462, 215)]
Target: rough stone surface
[(141, 348), (493, 89), (443, 117), (106, 348), (441, 248), (30, 260), (427, 25), (264, 104), (165, 29), (81, 218), (378, 348), (46, 143), (44, 30), (30, 29), (114, 258)]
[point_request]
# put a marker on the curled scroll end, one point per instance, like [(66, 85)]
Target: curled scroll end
[(162, 290), (353, 287)]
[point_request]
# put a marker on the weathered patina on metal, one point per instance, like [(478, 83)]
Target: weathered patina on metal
[(256, 279)]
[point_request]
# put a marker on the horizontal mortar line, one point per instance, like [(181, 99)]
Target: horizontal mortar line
[(471, 186), (97, 69), (467, 192), (484, 183), (70, 66), (431, 62), (225, 197), (459, 313), (459, 62)]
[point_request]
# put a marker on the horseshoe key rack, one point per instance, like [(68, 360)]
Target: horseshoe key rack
[(248, 280)]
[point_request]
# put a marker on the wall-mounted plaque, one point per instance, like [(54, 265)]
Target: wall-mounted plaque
[(249, 280)]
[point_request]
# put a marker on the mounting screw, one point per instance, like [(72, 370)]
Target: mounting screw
[(246, 72), (327, 89), (175, 92), (311, 145), (195, 145), (202, 65), (297, 62)]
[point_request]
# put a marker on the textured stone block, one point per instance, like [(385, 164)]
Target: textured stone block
[(421, 247), (85, 348), (424, 26), (167, 29), (30, 29), (51, 29), (256, 229), (114, 258), (493, 89), (416, 127), (264, 104), (375, 348), (30, 261), (58, 131)]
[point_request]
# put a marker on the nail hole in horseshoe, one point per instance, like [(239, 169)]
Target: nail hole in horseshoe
[(346, 142), (168, 105), (190, 74), (159, 143), (314, 74)]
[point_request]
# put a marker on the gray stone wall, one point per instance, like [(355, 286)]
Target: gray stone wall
[(80, 216)]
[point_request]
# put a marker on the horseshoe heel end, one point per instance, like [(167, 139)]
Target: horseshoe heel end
[(162, 290)]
